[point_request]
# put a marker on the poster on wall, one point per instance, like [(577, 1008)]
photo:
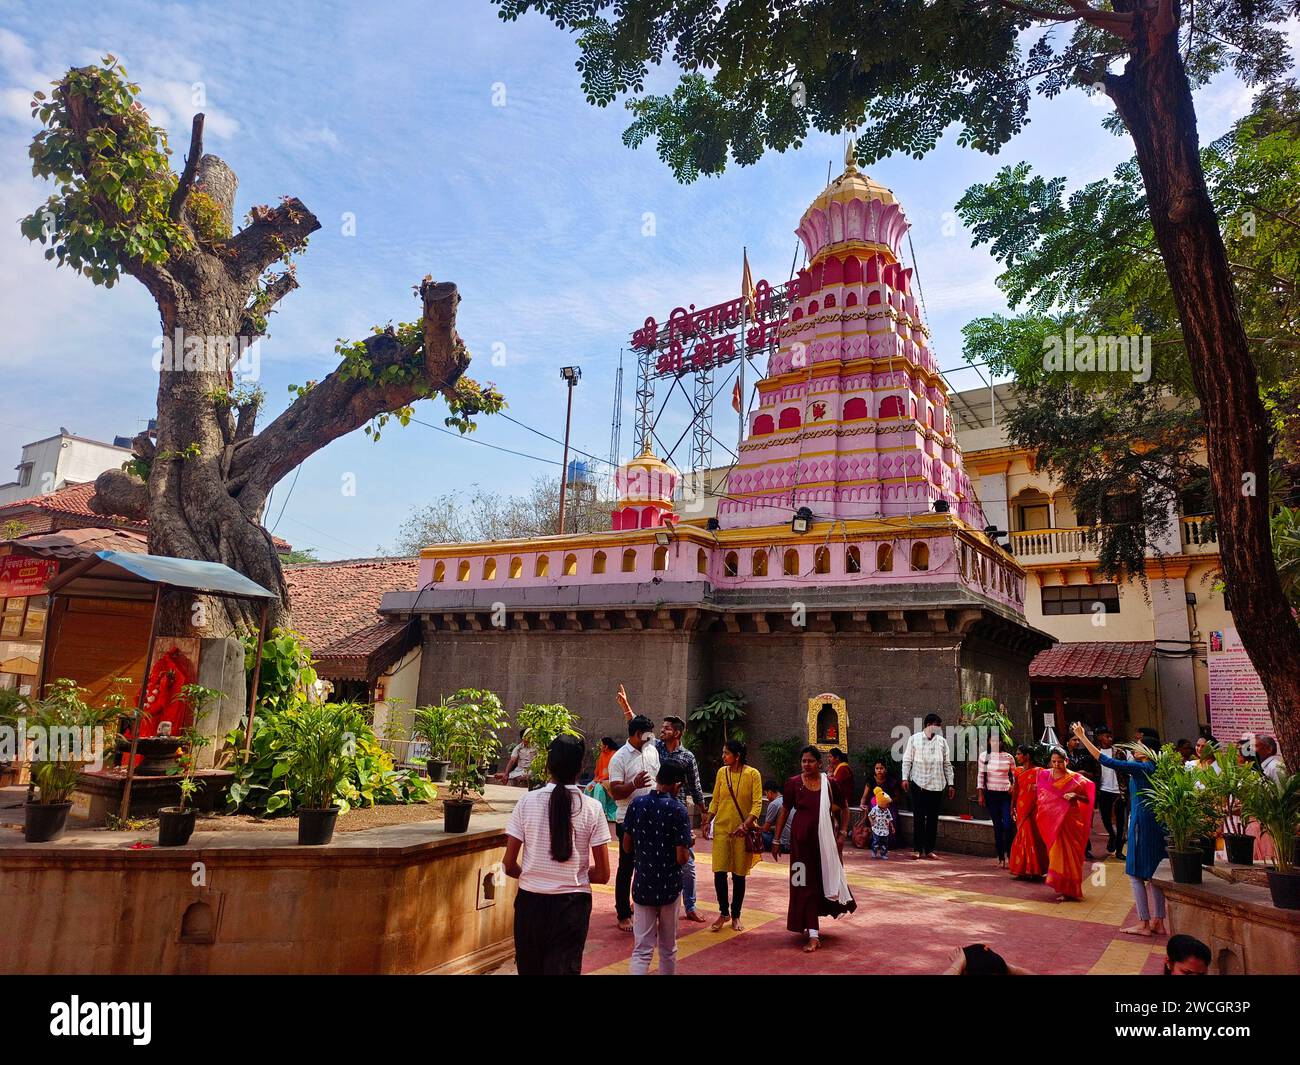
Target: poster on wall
[(1238, 703), (25, 576)]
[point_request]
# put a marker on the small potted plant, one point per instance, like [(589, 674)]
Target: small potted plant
[(1275, 805), (1227, 784), (176, 823), (1185, 809), (473, 723), (430, 725), (61, 724), (321, 741)]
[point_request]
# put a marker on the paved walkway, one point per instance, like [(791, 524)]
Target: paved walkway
[(910, 916)]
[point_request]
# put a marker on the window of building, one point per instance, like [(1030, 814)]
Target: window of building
[(884, 558), (758, 565), (853, 560), (598, 562), (660, 559), (489, 569), (516, 568), (542, 567), (439, 572), (629, 560), (462, 571), (790, 563), (570, 565), (701, 561), (822, 560), (730, 565), (1061, 599), (920, 557)]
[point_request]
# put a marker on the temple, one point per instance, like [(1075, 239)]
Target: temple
[(847, 567)]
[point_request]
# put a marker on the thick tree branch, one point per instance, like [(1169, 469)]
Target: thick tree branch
[(1119, 23), (191, 168), (273, 234), (254, 321), (344, 402), (119, 494)]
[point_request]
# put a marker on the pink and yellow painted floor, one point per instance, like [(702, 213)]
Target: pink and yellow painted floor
[(910, 916)]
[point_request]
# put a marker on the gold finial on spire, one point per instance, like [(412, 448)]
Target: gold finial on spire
[(850, 155)]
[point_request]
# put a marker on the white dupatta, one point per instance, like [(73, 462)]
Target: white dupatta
[(835, 885)]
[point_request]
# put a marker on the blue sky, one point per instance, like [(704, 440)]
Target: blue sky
[(386, 112)]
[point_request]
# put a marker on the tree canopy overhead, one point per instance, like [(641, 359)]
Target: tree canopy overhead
[(117, 209), (758, 74)]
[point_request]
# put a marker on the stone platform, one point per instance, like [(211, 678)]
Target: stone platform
[(99, 794), (400, 899), (1237, 920)]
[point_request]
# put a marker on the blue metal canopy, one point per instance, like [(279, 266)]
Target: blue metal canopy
[(106, 567)]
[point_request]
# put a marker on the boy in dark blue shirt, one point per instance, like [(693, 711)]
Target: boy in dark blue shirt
[(657, 833)]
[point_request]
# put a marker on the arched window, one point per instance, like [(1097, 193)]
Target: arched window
[(796, 315), (790, 418), (730, 565), (543, 566), (598, 562), (570, 565), (516, 568), (920, 556), (661, 559), (762, 425), (790, 563), (701, 561), (884, 558), (891, 407), (851, 300), (439, 572), (758, 564), (822, 560), (853, 560), (629, 561), (855, 409), (462, 571), (812, 307), (489, 569), (913, 410), (830, 301), (929, 416)]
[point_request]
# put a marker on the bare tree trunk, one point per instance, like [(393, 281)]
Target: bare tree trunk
[(1155, 100)]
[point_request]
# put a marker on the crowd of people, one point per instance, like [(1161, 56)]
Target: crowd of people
[(558, 835)]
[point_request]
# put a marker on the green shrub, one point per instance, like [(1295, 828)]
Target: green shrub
[(781, 757)]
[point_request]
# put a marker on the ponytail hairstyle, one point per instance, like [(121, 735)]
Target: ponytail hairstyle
[(564, 763)]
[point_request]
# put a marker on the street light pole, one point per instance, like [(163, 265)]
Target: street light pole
[(570, 375)]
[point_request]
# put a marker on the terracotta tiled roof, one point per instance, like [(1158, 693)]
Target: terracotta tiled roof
[(1100, 659), (367, 652), (69, 508), (331, 600), (80, 543)]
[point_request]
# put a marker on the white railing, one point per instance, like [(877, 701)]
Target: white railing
[(1041, 543), (1200, 535)]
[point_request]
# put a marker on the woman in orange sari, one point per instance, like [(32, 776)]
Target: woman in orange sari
[(1063, 816), (1028, 855)]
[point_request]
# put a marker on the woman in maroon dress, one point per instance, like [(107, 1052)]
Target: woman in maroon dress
[(818, 887)]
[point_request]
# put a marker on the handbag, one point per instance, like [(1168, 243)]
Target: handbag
[(753, 834)]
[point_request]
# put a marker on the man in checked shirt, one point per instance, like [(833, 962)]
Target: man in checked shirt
[(927, 771), (669, 745)]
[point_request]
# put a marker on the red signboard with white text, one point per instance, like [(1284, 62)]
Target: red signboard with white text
[(25, 576)]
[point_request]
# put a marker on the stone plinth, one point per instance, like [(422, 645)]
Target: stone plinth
[(959, 835), (102, 792), (1245, 932), (402, 899)]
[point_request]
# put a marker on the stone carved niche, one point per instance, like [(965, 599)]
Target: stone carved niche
[(828, 722)]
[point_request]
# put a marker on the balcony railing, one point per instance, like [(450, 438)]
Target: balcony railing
[(1200, 535), (1048, 544)]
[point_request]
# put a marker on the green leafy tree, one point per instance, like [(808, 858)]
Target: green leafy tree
[(119, 209), (757, 76), (545, 722)]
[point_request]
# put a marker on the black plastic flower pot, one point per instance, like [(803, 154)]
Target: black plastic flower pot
[(175, 826), (1285, 889), (1186, 866), (44, 822), (437, 769), (316, 827), (1207, 851), (1239, 847), (455, 814)]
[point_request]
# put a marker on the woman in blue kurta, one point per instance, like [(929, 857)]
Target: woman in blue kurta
[(1146, 841)]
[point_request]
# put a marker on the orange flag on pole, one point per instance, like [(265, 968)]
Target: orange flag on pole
[(736, 397)]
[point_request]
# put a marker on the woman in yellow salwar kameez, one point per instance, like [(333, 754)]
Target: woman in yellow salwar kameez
[(736, 806)]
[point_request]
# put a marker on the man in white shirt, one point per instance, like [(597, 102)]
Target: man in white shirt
[(632, 773), (1270, 762), (1110, 797), (927, 773)]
